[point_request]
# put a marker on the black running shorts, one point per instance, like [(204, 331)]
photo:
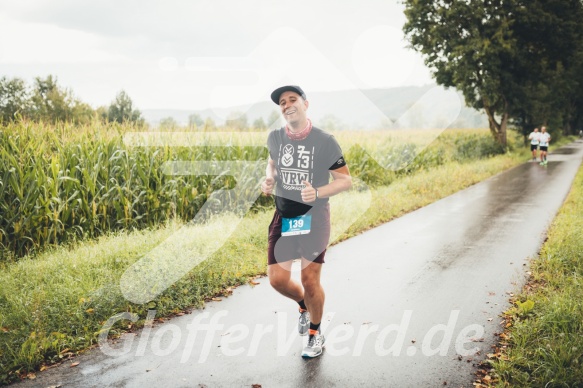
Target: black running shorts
[(311, 246)]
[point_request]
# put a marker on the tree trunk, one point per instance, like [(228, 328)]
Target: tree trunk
[(497, 129), (503, 139)]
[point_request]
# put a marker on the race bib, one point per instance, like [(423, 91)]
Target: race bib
[(296, 225)]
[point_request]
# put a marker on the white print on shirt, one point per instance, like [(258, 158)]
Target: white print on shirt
[(304, 157), (288, 155), (291, 177)]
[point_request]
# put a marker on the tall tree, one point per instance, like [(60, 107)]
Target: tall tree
[(14, 99), (195, 121), (469, 45), (101, 113), (259, 123), (122, 110), (237, 120), (576, 104), (519, 60), (168, 123), (550, 44), (53, 103), (48, 100), (274, 119), (209, 124)]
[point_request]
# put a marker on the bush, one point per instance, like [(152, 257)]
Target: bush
[(470, 147)]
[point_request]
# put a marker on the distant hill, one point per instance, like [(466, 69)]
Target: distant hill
[(347, 109)]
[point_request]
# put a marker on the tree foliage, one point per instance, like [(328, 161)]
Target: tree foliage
[(121, 110), (209, 124), (550, 47), (45, 100), (14, 98), (195, 121), (518, 60), (237, 120), (168, 123), (57, 104), (274, 119), (259, 123)]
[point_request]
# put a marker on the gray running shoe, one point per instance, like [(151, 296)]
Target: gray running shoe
[(314, 346), (304, 322)]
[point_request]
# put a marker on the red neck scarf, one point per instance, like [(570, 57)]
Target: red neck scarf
[(301, 135)]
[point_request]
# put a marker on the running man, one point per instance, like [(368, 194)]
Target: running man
[(301, 160), (544, 140), (534, 138)]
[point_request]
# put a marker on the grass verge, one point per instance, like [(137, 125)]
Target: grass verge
[(543, 344), (53, 305)]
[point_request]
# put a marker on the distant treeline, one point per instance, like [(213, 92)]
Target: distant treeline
[(48, 102)]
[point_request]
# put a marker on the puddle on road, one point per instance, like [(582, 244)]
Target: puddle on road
[(564, 151)]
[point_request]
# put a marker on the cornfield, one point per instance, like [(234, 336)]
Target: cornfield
[(63, 182)]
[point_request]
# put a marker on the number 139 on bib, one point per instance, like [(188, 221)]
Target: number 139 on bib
[(296, 225)]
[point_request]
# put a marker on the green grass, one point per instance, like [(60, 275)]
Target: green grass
[(544, 344), (59, 299)]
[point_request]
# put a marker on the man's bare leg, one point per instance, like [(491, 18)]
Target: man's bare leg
[(314, 296), (280, 279)]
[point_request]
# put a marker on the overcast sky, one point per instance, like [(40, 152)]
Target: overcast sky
[(199, 54)]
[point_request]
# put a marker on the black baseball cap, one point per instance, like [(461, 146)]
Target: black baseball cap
[(289, 88)]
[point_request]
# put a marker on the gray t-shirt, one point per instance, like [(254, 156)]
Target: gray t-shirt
[(296, 161)]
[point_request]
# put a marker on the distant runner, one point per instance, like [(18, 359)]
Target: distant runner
[(534, 138), (544, 140), (301, 160)]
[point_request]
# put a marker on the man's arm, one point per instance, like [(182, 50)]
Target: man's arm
[(270, 174), (342, 181)]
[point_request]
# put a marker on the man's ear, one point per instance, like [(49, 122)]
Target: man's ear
[(306, 103)]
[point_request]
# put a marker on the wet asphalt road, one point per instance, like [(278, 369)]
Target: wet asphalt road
[(404, 302)]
